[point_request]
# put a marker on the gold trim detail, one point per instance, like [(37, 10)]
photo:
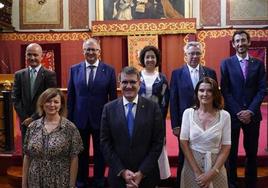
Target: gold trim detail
[(45, 36), (144, 28), (214, 34)]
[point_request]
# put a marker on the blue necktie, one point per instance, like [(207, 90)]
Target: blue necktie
[(91, 76), (130, 119)]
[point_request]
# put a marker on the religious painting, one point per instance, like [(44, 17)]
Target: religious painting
[(136, 44), (142, 9), (41, 14)]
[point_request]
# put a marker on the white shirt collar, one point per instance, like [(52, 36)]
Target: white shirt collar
[(240, 58), (96, 64), (135, 101), (191, 68), (36, 68)]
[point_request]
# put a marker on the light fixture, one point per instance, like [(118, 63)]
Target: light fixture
[(1, 5)]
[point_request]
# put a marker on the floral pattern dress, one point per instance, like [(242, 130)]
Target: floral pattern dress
[(50, 153)]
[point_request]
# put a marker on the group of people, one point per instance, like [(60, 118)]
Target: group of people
[(128, 132)]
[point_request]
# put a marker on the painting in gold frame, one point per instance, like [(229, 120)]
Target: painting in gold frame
[(136, 9), (41, 14)]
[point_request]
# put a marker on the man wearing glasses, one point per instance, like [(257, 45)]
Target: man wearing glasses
[(182, 84), (132, 136), (91, 85)]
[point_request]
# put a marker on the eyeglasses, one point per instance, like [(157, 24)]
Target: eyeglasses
[(131, 82), (91, 49), (194, 53)]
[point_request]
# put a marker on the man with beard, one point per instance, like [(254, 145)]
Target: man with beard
[(91, 85), (29, 84), (243, 84)]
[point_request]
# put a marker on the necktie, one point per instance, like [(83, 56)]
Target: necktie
[(244, 63), (130, 119), (90, 76), (32, 80), (195, 77)]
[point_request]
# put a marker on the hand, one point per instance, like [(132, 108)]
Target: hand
[(244, 116), (138, 177), (27, 121), (176, 131), (204, 179), (128, 176)]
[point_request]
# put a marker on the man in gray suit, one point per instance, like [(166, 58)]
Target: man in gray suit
[(29, 83), (132, 136)]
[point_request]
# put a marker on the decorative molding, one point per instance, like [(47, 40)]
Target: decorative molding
[(48, 37), (143, 27), (216, 34)]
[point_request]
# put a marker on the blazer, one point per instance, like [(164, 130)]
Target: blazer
[(141, 152), (85, 105), (240, 94), (24, 104), (182, 91), (160, 92)]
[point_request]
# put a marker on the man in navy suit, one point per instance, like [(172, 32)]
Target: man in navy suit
[(29, 84), (132, 146), (91, 85), (243, 84), (182, 84)]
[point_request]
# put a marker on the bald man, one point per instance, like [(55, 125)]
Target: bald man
[(29, 83)]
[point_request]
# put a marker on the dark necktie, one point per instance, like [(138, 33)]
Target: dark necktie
[(32, 80), (130, 119), (91, 76)]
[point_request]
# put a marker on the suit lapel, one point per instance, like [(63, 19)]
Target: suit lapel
[(139, 116), (26, 78), (187, 77), (250, 68), (237, 67), (99, 74), (122, 116), (38, 81)]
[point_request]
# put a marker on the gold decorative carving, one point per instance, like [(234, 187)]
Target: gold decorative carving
[(147, 27), (212, 34), (45, 36)]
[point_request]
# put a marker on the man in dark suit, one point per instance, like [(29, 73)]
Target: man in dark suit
[(132, 136), (182, 84), (91, 85), (243, 84), (29, 83)]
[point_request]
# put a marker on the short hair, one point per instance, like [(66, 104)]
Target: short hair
[(239, 32), (129, 70), (91, 41), (46, 96), (150, 48), (217, 97), (192, 43), (35, 45)]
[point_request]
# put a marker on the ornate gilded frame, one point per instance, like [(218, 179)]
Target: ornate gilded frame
[(188, 9)]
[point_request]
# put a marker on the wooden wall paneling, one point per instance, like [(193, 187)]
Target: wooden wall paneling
[(210, 12), (78, 14)]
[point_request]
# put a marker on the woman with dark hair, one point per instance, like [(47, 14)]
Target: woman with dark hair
[(51, 146), (154, 84), (205, 138)]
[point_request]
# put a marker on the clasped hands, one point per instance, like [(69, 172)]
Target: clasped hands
[(204, 179), (132, 179), (244, 116)]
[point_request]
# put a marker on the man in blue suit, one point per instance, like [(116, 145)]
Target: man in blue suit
[(91, 85), (183, 81), (132, 136), (243, 84)]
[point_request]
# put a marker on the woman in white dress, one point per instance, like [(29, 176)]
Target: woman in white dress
[(205, 139)]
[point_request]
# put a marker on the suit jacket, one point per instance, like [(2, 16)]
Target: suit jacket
[(182, 91), (141, 152), (240, 94), (85, 105), (24, 104)]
